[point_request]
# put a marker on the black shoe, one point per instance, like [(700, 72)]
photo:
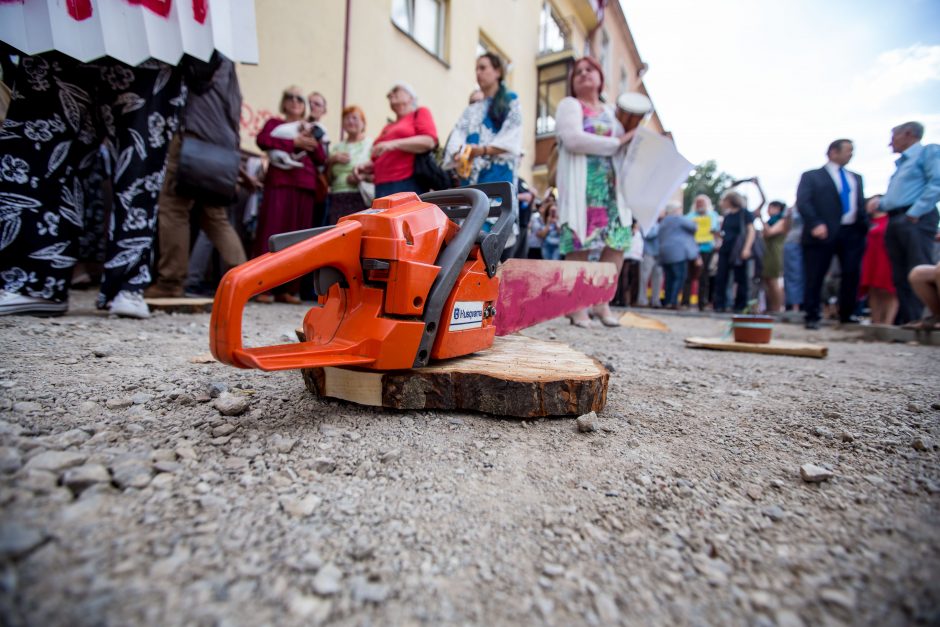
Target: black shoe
[(812, 325)]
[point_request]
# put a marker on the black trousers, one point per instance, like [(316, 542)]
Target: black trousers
[(725, 269), (909, 244), (55, 126), (849, 246)]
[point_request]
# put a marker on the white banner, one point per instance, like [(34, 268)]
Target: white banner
[(650, 173), (132, 31)]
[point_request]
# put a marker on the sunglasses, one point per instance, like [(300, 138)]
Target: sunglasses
[(294, 97)]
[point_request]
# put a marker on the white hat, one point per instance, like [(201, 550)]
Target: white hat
[(405, 87)]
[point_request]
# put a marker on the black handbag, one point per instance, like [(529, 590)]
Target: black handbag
[(428, 174), (207, 172)]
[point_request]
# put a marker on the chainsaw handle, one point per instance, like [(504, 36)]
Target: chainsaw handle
[(492, 243), (453, 202), (335, 248)]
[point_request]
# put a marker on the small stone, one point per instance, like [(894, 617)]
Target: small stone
[(56, 461), (300, 508), (361, 549), (223, 430), (553, 570), (776, 484), (313, 610), (754, 493), (141, 398), (935, 405), (847, 437), (10, 459), (365, 592), (38, 481), (230, 405), (166, 466), (80, 479), (811, 473), (327, 581), (225, 439), (235, 463), (774, 512), (164, 455), (921, 444), (788, 618), (216, 388), (606, 608), (282, 444), (18, 540), (88, 408), (324, 465), (389, 455), (915, 408), (822, 432), (25, 407), (309, 562), (587, 423), (101, 352), (118, 403), (132, 474), (66, 439), (186, 452), (832, 415), (842, 598)]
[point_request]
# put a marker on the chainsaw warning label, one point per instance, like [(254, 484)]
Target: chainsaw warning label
[(466, 315)]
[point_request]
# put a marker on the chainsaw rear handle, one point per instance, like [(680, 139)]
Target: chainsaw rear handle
[(457, 207), (337, 248), (474, 207)]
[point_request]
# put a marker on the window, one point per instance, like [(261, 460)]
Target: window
[(605, 54), (553, 86), (553, 36), (423, 21)]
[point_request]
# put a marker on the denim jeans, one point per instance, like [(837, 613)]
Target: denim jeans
[(675, 278)]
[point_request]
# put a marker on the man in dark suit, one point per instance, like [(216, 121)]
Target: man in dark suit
[(832, 204)]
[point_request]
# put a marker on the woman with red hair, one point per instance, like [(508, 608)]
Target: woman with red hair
[(350, 185), (595, 225)]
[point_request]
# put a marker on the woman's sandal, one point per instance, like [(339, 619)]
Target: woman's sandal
[(584, 323), (607, 321)]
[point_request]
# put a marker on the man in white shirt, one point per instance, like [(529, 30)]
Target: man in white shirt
[(832, 204)]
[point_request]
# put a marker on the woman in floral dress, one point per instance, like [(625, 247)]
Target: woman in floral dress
[(595, 226)]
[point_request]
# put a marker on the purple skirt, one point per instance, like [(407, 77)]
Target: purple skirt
[(283, 209)]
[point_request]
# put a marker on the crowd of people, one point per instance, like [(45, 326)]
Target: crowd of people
[(834, 253), (105, 179)]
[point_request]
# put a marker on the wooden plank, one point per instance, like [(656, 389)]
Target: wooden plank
[(180, 305), (533, 291), (636, 321), (776, 347), (518, 376)]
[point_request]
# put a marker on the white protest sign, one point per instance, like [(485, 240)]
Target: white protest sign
[(650, 173)]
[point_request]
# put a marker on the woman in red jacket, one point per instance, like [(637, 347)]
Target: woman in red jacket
[(290, 185)]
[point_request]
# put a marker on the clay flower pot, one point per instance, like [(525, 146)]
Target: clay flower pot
[(752, 329)]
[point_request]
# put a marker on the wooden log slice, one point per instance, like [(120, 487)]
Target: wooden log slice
[(518, 376), (180, 305)]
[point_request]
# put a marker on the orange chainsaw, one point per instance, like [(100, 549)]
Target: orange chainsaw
[(407, 281)]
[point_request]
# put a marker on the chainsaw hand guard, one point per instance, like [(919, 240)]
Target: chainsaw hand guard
[(336, 248)]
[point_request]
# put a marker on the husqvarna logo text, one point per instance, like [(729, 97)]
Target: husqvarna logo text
[(466, 315)]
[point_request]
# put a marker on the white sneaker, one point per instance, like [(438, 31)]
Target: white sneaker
[(129, 305), (11, 303)]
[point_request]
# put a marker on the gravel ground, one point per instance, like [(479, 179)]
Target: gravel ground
[(128, 496)]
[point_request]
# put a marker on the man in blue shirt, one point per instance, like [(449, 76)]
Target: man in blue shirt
[(911, 203)]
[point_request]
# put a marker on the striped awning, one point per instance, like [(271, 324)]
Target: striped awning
[(132, 31)]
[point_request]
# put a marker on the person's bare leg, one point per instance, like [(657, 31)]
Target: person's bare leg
[(582, 317), (924, 281), (774, 295), (602, 310), (877, 302), (891, 308)]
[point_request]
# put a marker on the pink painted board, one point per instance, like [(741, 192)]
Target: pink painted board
[(533, 291)]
